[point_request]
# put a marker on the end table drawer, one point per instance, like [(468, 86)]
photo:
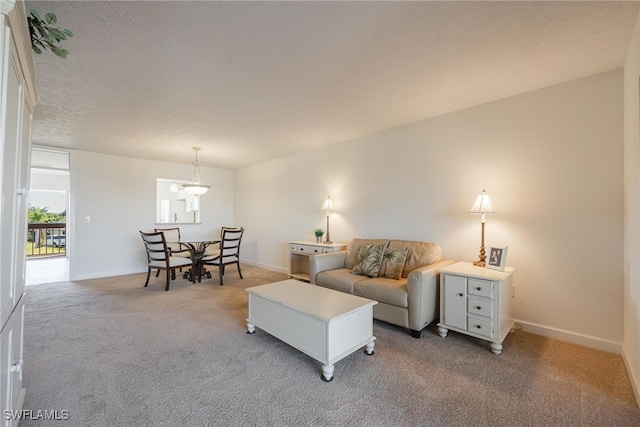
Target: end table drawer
[(308, 249), (481, 288), (480, 307), (479, 326)]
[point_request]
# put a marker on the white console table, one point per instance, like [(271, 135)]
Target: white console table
[(301, 250), (476, 301)]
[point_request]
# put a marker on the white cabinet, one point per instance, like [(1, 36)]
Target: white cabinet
[(476, 301), (11, 351), (300, 251), (17, 99)]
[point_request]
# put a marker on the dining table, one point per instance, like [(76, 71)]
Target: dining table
[(197, 249)]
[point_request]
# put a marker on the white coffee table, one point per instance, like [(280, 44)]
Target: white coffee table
[(325, 324)]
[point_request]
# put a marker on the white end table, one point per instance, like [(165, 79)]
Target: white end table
[(476, 301)]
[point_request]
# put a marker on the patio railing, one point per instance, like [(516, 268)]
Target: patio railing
[(46, 239)]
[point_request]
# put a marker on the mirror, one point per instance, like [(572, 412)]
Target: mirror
[(174, 205)]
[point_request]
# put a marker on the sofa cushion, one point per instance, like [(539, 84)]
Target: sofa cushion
[(354, 248), (393, 263), (419, 254), (384, 290), (369, 260), (341, 280)]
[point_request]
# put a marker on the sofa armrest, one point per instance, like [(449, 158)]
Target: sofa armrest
[(324, 262), (424, 294)]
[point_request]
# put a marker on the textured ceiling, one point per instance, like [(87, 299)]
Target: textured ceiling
[(253, 81)]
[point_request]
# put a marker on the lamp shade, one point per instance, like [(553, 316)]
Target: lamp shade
[(483, 205), (328, 204), (196, 188)]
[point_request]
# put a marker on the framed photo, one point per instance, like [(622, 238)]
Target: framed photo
[(497, 258)]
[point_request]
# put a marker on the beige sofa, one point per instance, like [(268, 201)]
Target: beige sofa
[(412, 301)]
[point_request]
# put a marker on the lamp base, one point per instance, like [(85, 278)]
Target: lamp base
[(479, 263), (327, 242)]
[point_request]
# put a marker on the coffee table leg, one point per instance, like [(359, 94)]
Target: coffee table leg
[(368, 349), (327, 373), (251, 328)]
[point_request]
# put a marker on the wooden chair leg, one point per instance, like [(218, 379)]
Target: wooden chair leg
[(148, 274), (239, 272), (169, 271), (157, 273), (221, 272)]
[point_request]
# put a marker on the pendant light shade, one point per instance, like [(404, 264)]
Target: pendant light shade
[(196, 188)]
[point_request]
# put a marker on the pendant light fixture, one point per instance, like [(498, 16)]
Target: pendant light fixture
[(196, 188)]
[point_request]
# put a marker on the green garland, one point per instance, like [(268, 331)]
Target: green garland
[(44, 36)]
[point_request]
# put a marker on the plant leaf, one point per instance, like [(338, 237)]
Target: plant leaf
[(42, 32), (35, 14), (67, 33), (36, 49), (51, 18), (59, 52), (58, 34)]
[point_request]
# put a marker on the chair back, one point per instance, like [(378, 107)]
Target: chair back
[(171, 236), (156, 247), (230, 243)]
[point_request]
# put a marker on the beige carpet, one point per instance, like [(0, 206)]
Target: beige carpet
[(113, 353)]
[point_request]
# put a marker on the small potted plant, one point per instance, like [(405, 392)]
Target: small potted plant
[(318, 232)]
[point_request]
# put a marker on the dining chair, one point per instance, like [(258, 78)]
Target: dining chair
[(214, 251), (228, 252), (159, 256), (172, 237)]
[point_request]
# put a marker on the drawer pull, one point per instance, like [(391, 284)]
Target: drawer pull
[(460, 294), (301, 249), (478, 288), (315, 250), (478, 326), (478, 307)]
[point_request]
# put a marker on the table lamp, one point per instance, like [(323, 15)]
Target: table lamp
[(483, 205), (328, 206)]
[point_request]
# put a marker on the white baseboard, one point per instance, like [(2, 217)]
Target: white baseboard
[(635, 381), (108, 274), (572, 337), (265, 266)]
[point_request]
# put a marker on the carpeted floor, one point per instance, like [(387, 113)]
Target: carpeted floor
[(113, 353)]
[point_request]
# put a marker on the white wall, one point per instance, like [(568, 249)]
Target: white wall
[(119, 194), (552, 161), (631, 347)]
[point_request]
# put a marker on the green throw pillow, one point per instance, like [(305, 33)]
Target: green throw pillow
[(393, 263), (369, 260)]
